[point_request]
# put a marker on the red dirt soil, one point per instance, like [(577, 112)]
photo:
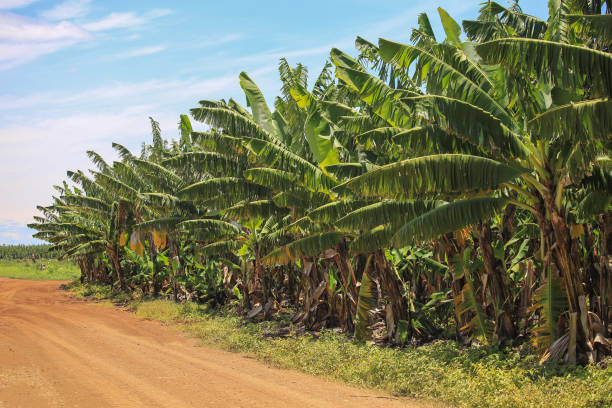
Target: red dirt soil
[(56, 351)]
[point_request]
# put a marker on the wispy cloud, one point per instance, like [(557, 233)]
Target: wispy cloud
[(68, 9), (16, 28), (125, 93), (35, 154), (32, 165), (14, 4), (12, 55), (157, 13), (140, 52), (13, 232), (24, 39), (115, 20), (125, 20)]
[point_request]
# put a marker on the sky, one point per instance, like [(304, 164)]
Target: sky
[(77, 75)]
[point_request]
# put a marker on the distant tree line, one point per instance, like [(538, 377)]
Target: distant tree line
[(26, 251)]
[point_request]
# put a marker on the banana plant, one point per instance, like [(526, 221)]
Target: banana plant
[(529, 156)]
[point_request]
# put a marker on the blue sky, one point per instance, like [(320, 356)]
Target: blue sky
[(80, 74)]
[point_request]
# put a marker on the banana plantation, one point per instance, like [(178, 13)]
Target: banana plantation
[(25, 252), (457, 186)]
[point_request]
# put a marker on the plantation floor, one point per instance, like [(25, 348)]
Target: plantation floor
[(56, 351)]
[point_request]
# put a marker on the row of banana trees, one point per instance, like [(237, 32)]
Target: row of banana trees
[(444, 188), (25, 252)]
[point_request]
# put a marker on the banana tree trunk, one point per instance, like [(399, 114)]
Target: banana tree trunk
[(392, 288), (315, 307), (260, 280), (346, 271), (568, 266), (562, 254), (246, 296), (446, 248), (498, 284), (605, 270), (508, 222), (83, 268), (172, 245), (113, 253)]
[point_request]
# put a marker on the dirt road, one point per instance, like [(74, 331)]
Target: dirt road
[(61, 352)]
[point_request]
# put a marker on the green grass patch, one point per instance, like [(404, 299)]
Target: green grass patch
[(28, 269), (169, 311), (90, 290), (442, 371)]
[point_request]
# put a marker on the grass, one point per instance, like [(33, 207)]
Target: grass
[(441, 371), (27, 269), (91, 290)]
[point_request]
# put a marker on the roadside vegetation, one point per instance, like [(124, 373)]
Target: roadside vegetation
[(452, 190), (441, 371), (47, 269)]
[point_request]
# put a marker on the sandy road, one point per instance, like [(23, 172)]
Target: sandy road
[(60, 352)]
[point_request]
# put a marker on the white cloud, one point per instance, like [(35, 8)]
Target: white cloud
[(156, 13), (24, 39), (124, 93), (67, 10), (113, 21), (13, 232), (12, 55), (125, 20), (139, 52), (14, 4), (16, 28), (35, 154), (203, 42)]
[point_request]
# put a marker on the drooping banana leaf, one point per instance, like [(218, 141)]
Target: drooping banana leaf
[(448, 218), (437, 174), (538, 56), (550, 300), (385, 212), (309, 246), (479, 325)]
